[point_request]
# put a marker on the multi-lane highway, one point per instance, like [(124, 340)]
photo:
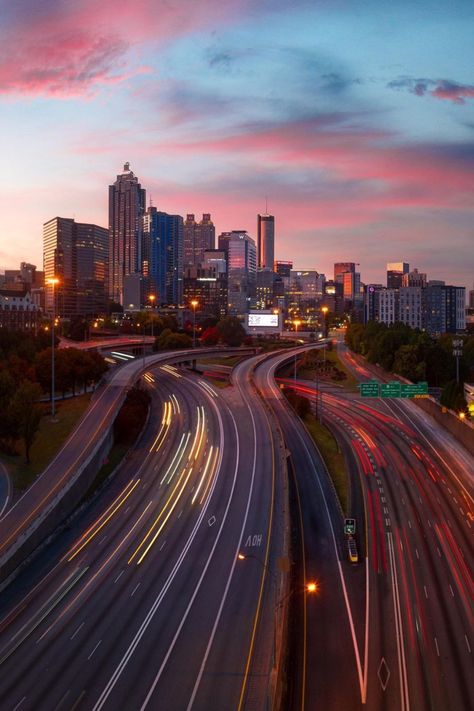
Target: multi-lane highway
[(411, 493), (145, 602)]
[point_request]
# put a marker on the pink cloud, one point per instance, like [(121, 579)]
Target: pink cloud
[(64, 49), (453, 92)]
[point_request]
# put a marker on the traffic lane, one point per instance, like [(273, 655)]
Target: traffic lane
[(184, 646), (394, 448), (323, 557), (76, 529), (245, 632)]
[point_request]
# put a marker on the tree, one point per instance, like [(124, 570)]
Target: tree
[(231, 331), (168, 340), (210, 336), (28, 412), (408, 363)]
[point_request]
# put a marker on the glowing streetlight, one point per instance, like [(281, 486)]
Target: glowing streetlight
[(53, 281), (194, 304), (296, 323), (325, 310), (152, 299)]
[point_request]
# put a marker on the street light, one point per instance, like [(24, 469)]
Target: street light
[(194, 304), (325, 310), (152, 299), (53, 281), (296, 323)]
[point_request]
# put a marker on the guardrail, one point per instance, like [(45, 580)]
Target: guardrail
[(57, 491)]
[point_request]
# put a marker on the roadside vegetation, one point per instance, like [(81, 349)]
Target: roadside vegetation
[(415, 355), (326, 366), (25, 389), (326, 444)]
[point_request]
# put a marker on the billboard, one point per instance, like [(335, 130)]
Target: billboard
[(265, 320)]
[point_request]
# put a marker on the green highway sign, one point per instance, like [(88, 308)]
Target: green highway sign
[(369, 389), (414, 389), (349, 526), (391, 389)]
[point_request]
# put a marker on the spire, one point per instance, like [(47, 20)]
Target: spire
[(126, 167)]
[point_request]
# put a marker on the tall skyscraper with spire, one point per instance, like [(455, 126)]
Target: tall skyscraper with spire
[(266, 241), (127, 205)]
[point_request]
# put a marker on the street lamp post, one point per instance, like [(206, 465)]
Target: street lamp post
[(325, 310), (152, 298), (296, 323), (53, 281), (194, 304)]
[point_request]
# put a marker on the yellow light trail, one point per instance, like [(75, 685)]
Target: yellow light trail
[(213, 470), (209, 458), (104, 522), (157, 520), (165, 520), (184, 436)]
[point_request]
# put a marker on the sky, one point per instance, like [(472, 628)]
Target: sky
[(354, 118)]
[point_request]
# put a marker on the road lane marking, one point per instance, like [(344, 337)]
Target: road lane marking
[(119, 576), (452, 592), (426, 591), (135, 589), (467, 643), (77, 631), (405, 699), (90, 655), (437, 648), (158, 600), (63, 698), (19, 704), (162, 545)]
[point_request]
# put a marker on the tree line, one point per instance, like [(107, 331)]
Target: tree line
[(416, 355), (25, 380)]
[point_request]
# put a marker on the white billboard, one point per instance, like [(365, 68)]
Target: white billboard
[(263, 320)]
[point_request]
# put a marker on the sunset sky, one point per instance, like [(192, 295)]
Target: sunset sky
[(354, 117)]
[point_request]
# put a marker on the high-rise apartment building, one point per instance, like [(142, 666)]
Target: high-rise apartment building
[(127, 203), (388, 306), (197, 238), (395, 272), (77, 255), (266, 241), (283, 269), (411, 306), (414, 278), (264, 291), (341, 268), (241, 254), (163, 233)]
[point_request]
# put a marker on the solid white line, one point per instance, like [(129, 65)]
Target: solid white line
[(90, 655), (437, 648), (404, 696), (152, 610), (77, 631), (229, 579), (135, 589), (19, 704), (362, 679), (467, 643), (119, 576)]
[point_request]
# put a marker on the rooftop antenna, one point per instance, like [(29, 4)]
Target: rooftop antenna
[(266, 204), (151, 201)]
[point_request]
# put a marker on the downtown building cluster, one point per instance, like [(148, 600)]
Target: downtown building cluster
[(148, 257)]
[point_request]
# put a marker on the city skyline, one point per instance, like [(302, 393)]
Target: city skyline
[(358, 131)]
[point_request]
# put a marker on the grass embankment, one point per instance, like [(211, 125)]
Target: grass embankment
[(49, 440), (334, 366), (220, 360), (333, 457), (218, 383)]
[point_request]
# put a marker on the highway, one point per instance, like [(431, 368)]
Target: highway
[(411, 494), (50, 488), (144, 602)]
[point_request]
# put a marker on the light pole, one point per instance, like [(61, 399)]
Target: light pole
[(53, 281), (325, 310), (152, 298), (194, 304), (296, 323)]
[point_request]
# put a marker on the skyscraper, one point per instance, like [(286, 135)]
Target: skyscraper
[(164, 235), (340, 268), (395, 272), (241, 269), (266, 241), (127, 202), (198, 237), (76, 253)]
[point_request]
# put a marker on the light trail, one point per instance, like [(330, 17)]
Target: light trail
[(105, 520)]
